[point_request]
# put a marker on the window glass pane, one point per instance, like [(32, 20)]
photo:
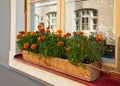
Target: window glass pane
[(53, 21), (77, 14), (96, 16), (54, 14), (95, 13), (95, 21), (43, 13)]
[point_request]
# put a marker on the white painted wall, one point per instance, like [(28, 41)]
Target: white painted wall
[(4, 31)]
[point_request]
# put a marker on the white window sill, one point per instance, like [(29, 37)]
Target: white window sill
[(40, 74)]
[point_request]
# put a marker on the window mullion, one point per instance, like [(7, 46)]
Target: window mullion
[(62, 15), (58, 14), (27, 28)]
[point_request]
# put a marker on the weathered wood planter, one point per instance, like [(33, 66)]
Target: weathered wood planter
[(87, 72)]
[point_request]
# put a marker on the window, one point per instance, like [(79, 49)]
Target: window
[(47, 78), (91, 16), (86, 19), (46, 12), (51, 21), (68, 20)]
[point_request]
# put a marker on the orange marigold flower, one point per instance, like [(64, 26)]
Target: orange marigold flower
[(32, 33), (59, 31), (18, 36), (33, 46), (22, 32), (40, 26), (36, 32), (47, 31), (26, 34), (80, 33), (68, 48), (58, 34), (99, 38), (69, 34), (43, 37), (65, 35), (42, 30), (26, 45), (39, 39), (60, 43)]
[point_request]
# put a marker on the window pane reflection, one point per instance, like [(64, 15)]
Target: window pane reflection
[(45, 13), (96, 16)]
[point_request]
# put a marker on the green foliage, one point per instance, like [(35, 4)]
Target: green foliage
[(84, 49), (47, 45), (50, 47), (77, 49)]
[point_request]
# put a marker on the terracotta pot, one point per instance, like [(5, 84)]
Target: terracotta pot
[(85, 71)]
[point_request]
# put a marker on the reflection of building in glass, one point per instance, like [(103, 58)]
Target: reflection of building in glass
[(91, 16), (51, 20), (86, 19), (47, 11), (86, 15)]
